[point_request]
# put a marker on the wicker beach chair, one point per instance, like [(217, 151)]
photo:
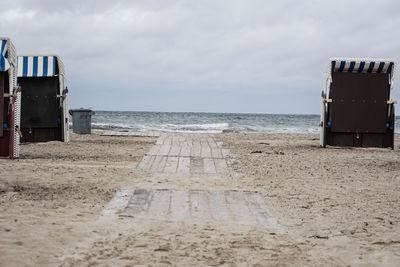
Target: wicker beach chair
[(45, 113), (357, 108), (10, 101)]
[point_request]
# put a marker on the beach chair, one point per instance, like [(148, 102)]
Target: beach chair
[(10, 101), (357, 108), (45, 115)]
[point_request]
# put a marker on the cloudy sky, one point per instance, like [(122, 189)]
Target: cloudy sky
[(201, 55)]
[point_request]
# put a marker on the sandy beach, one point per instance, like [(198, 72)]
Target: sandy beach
[(338, 206)]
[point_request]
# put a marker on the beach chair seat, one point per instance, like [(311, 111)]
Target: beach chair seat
[(357, 109)]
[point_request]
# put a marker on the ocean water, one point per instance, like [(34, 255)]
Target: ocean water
[(197, 122)]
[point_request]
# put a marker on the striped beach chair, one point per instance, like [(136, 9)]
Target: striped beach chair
[(357, 106), (10, 101), (45, 115)]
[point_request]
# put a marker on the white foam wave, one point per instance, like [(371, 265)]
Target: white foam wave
[(205, 123), (193, 128)]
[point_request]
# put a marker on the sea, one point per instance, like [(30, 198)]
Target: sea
[(202, 122)]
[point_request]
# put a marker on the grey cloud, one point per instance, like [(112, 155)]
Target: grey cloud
[(246, 55)]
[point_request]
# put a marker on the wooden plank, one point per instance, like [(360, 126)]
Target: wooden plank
[(175, 140), (182, 139), (161, 139), (168, 140), (218, 207), (138, 204), (205, 149), (239, 208), (159, 163), (196, 149), (186, 150), (216, 153), (171, 165), (160, 203), (203, 140), (221, 166), (119, 201), (179, 208), (211, 142), (164, 150), (146, 163), (175, 150), (209, 166), (199, 206), (196, 165), (184, 165), (154, 150), (260, 210)]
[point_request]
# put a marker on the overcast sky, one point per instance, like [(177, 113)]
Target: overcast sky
[(201, 55)]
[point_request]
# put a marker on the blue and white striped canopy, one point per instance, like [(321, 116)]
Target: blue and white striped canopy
[(4, 64), (362, 66), (37, 66)]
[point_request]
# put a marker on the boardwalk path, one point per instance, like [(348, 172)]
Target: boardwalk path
[(191, 155)]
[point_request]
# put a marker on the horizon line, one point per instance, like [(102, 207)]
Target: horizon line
[(155, 111)]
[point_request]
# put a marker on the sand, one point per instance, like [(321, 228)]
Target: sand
[(339, 206)]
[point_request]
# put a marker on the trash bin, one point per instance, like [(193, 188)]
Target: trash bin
[(81, 120)]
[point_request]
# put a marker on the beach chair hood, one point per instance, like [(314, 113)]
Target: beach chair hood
[(361, 65), (7, 54), (40, 66)]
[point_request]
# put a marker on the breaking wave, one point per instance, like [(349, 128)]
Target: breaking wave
[(192, 122)]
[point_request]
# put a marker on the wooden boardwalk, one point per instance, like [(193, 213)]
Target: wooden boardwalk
[(228, 206), (197, 156), (188, 154)]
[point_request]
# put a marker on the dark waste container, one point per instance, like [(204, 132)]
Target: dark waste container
[(81, 120)]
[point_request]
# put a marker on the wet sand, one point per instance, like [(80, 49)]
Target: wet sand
[(339, 206)]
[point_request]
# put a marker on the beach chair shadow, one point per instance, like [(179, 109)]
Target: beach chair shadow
[(357, 109)]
